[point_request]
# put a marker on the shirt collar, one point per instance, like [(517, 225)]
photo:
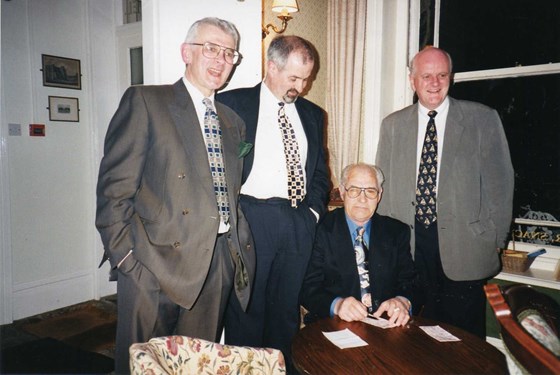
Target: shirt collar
[(195, 93), (269, 96), (353, 226), (440, 109)]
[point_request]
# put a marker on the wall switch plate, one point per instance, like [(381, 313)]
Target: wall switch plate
[(14, 129)]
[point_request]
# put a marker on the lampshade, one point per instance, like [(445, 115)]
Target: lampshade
[(285, 6)]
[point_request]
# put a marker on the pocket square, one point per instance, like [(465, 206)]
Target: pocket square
[(244, 149)]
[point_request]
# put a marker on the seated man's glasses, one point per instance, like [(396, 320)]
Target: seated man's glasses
[(212, 51), (354, 192)]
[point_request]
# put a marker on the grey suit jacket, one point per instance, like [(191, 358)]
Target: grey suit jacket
[(155, 192), (475, 186)]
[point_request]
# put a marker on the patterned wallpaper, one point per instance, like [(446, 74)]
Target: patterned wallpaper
[(309, 23)]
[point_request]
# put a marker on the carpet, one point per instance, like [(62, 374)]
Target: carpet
[(90, 326), (78, 339), (50, 356)]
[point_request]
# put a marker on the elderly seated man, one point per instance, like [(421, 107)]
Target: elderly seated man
[(344, 278)]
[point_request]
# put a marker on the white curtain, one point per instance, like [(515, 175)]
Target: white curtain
[(346, 34)]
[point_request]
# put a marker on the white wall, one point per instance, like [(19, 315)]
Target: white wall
[(53, 248)]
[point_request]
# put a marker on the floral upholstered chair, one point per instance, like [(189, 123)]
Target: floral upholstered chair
[(187, 355)]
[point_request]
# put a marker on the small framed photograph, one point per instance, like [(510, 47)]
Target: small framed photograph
[(63, 109), (61, 72)]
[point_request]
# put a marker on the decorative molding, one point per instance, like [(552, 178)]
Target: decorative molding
[(51, 293)]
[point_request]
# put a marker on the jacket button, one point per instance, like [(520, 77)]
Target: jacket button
[(181, 176), (176, 244), (185, 211)]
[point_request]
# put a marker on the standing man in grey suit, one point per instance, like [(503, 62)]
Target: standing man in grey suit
[(167, 199), (284, 192), (448, 174)]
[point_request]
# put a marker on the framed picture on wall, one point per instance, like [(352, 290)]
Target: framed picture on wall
[(61, 72), (62, 108)]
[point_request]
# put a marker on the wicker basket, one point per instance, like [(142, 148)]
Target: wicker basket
[(517, 261)]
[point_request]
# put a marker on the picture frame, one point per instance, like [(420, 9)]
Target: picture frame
[(62, 108), (61, 72)]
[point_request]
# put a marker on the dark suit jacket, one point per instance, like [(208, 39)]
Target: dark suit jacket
[(245, 102), (475, 184), (332, 270), (155, 192)]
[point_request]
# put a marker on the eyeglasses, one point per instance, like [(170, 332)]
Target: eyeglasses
[(212, 50), (354, 192)]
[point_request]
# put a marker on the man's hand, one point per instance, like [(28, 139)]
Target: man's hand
[(397, 308), (350, 309)]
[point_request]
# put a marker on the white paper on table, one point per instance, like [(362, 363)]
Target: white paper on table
[(379, 322), (439, 333), (345, 339)]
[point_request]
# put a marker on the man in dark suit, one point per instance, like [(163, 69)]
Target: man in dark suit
[(333, 284), (448, 175), (284, 192), (167, 214)]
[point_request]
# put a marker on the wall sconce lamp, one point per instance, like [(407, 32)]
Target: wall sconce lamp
[(284, 7)]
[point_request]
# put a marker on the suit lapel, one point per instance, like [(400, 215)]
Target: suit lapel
[(344, 249), (406, 155), (312, 142), (249, 111), (452, 141), (188, 127)]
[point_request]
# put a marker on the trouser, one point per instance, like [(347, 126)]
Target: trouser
[(459, 303), (283, 242), (145, 311)]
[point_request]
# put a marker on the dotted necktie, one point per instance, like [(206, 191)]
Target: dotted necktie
[(427, 175), (296, 186), (213, 140), (362, 261)]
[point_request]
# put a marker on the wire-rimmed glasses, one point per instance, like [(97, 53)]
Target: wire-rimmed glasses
[(354, 192), (212, 50)]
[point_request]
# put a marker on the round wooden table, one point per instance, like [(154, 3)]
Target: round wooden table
[(399, 350)]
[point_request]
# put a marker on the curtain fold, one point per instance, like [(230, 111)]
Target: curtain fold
[(346, 34)]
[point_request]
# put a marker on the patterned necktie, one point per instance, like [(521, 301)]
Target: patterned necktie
[(362, 261), (296, 186), (427, 175), (213, 140)]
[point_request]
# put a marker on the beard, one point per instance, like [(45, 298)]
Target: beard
[(290, 96)]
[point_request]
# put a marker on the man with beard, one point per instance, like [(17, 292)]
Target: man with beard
[(284, 192)]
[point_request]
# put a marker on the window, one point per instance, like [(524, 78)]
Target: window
[(506, 54), (132, 11)]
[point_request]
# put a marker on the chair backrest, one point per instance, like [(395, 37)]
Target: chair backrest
[(187, 355), (528, 321)]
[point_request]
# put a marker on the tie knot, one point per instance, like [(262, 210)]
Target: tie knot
[(208, 103), (359, 231), (281, 104), (432, 114)]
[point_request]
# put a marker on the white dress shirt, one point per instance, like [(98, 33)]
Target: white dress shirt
[(269, 174)]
